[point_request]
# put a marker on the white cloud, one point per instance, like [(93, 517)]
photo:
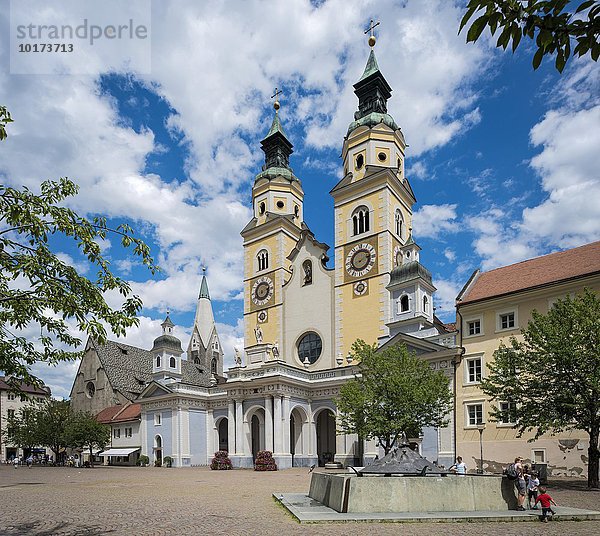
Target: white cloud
[(433, 220), (450, 254), (445, 296)]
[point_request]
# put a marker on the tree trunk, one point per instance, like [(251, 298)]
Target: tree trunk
[(91, 457), (594, 457)]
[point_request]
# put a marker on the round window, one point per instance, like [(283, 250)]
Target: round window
[(360, 160), (90, 389), (310, 347), (280, 204), (262, 207), (382, 156)]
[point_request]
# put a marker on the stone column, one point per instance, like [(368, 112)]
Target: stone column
[(231, 427), (239, 428), (277, 424), (268, 424), (211, 435), (286, 425)]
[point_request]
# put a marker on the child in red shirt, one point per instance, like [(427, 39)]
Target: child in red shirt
[(546, 501)]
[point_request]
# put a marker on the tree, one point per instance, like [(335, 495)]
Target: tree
[(395, 392), (51, 420), (5, 118), (553, 376), (554, 24), (40, 290), (84, 431), (21, 428)]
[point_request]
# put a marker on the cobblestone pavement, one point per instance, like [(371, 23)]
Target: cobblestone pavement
[(45, 501)]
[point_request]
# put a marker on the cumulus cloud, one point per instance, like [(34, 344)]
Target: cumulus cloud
[(433, 220)]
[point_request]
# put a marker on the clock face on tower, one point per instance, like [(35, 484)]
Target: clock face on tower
[(262, 290), (360, 259)]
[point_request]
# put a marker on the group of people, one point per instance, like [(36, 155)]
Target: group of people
[(527, 484)]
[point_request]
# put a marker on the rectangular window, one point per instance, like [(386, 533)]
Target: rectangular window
[(117, 433), (11, 413), (157, 419), (475, 414), (539, 456), (474, 370), (508, 410), (11, 396), (507, 320), (128, 432), (474, 327)]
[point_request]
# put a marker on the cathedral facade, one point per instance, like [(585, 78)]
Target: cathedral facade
[(301, 316)]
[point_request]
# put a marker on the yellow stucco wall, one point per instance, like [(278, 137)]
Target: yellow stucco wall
[(500, 442)]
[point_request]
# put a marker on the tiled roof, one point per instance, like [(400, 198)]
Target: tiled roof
[(129, 369), (24, 388), (552, 268), (128, 412)]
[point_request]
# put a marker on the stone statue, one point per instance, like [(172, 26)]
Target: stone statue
[(275, 350), (307, 272), (258, 334), (238, 356)]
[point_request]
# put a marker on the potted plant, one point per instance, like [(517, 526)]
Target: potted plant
[(143, 461), (264, 461), (168, 461), (221, 461), (157, 463)]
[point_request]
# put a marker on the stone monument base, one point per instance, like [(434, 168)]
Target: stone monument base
[(452, 493)]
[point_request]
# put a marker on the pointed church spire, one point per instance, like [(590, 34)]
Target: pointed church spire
[(373, 92), (204, 287), (276, 146)]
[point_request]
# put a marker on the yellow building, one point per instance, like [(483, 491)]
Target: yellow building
[(492, 307)]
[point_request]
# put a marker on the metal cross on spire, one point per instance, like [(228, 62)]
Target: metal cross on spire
[(371, 28), (276, 94)]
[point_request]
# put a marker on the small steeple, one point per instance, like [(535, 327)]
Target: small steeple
[(276, 146), (167, 325), (204, 287)]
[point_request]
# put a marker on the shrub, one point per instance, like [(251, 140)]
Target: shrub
[(264, 461), (167, 461), (143, 460), (157, 463), (221, 461)]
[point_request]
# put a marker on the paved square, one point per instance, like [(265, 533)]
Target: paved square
[(144, 501)]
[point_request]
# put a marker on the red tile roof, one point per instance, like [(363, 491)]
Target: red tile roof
[(24, 388), (128, 412), (553, 268)]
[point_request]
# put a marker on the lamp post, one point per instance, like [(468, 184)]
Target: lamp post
[(481, 428)]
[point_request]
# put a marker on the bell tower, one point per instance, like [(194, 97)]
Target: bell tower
[(275, 228), (373, 212)]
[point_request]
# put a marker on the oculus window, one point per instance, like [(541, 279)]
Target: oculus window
[(310, 347)]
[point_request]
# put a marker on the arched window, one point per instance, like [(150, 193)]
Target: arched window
[(172, 362), (398, 223), (213, 366), (425, 304), (157, 361), (263, 259), (307, 269), (360, 220), (403, 304)]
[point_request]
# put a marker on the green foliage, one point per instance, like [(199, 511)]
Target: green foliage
[(39, 289), (143, 460), (553, 376), (395, 392), (550, 23), (51, 421), (84, 431), (5, 118), (168, 461), (21, 429)]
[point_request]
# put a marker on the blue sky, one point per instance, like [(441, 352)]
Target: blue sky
[(503, 160)]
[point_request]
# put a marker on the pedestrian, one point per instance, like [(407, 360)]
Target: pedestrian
[(532, 489), (546, 502), (16, 462), (520, 483), (29, 462), (459, 468)]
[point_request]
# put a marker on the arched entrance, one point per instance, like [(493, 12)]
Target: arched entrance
[(223, 433), (257, 431), (158, 448), (326, 436), (298, 439)]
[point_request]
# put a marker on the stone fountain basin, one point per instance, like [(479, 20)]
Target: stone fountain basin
[(345, 492)]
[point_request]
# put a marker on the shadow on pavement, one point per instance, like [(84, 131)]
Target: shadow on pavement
[(65, 529)]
